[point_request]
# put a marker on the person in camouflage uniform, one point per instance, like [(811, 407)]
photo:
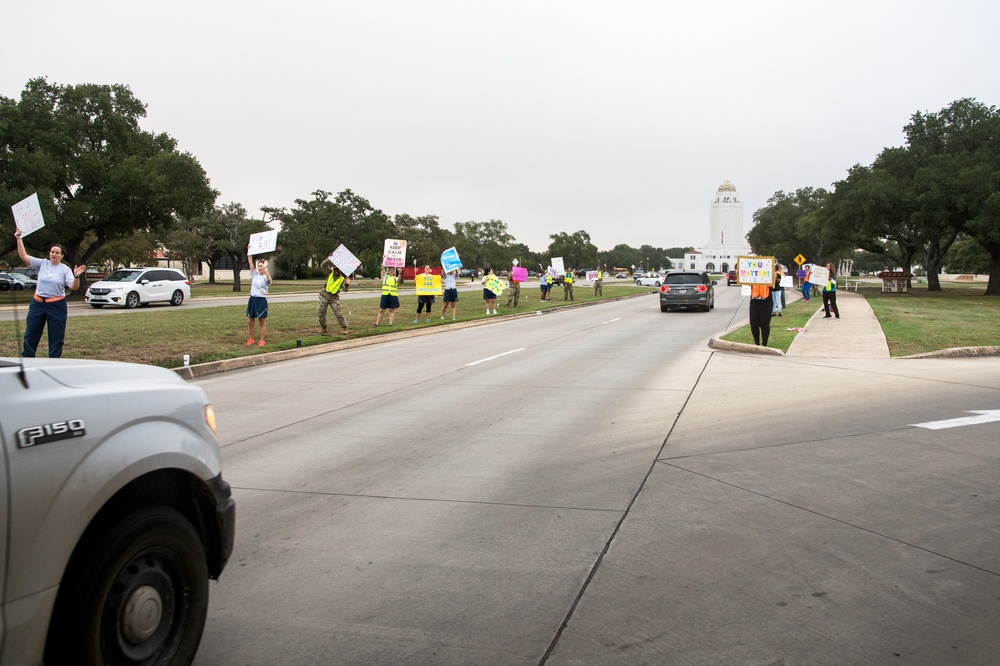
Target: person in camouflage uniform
[(329, 296)]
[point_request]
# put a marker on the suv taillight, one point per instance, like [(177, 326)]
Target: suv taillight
[(701, 289), (665, 289)]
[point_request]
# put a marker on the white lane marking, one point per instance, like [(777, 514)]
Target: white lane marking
[(609, 321), (985, 416), (512, 351)]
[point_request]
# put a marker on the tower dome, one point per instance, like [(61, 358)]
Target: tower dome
[(727, 186)]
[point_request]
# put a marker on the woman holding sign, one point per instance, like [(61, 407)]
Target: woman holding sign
[(49, 304), (488, 295), (761, 307), (390, 294), (830, 293), (260, 281), (424, 300), (450, 293)]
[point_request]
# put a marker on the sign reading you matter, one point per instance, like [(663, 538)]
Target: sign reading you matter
[(755, 270)]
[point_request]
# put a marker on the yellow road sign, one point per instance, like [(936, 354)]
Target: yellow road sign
[(800, 260)]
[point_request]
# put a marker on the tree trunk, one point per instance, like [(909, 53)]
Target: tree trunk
[(993, 285), (237, 270)]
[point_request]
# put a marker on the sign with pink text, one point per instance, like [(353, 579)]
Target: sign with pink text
[(28, 215), (394, 253)]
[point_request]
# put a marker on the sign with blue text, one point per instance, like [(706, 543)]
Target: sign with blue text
[(450, 260)]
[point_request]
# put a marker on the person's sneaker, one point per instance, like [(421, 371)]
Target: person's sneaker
[(416, 321), (838, 316), (442, 317), (494, 312), (260, 344), (427, 321), (250, 342)]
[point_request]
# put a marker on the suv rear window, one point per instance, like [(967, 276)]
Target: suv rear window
[(684, 278)]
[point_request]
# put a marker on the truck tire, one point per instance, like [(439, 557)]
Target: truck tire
[(137, 594)]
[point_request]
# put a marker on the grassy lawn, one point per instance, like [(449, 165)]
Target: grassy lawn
[(161, 335), (924, 321), (914, 323)]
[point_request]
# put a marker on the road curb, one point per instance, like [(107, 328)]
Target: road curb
[(743, 348), (957, 352)]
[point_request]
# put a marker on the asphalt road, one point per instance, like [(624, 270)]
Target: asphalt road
[(597, 486)]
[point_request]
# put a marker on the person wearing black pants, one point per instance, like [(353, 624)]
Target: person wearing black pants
[(830, 294), (761, 307)]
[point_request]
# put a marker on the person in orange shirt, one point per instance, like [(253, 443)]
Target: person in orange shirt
[(761, 307)]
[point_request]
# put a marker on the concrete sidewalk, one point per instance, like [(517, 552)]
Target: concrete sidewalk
[(856, 334)]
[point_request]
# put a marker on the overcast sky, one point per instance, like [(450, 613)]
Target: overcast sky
[(620, 118)]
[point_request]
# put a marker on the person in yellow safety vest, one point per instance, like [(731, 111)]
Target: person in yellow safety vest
[(329, 295), (599, 283), (568, 284), (549, 281), (761, 307), (390, 294)]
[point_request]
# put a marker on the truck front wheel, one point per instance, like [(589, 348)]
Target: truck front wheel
[(139, 595)]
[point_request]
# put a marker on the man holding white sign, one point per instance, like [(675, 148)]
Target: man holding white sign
[(336, 282)]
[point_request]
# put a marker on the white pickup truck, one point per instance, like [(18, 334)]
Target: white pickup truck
[(115, 514)]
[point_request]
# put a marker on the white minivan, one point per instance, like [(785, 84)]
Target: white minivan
[(132, 287)]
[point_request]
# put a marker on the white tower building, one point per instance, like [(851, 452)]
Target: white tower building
[(726, 241)]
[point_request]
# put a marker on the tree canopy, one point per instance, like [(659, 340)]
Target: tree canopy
[(912, 204), (99, 177)]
